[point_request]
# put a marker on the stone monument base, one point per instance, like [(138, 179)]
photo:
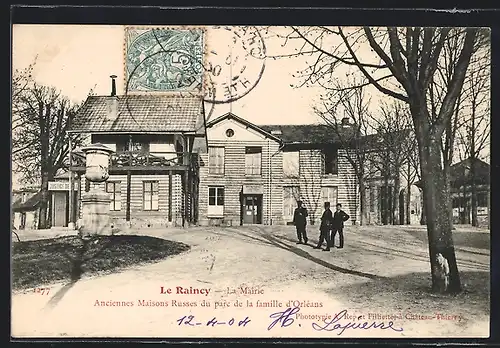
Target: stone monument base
[(95, 213)]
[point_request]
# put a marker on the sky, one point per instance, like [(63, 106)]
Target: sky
[(77, 58)]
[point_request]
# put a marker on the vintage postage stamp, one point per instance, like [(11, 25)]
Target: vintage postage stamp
[(164, 59), (249, 182)]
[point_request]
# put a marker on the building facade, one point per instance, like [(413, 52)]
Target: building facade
[(462, 183), (59, 198), (154, 172), (255, 174), (25, 206)]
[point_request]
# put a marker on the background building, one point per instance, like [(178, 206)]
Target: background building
[(255, 174), (463, 182), (154, 172), (25, 206)]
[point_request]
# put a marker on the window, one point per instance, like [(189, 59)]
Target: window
[(216, 201), (134, 146), (291, 194), (216, 160), (150, 195), (253, 160), (164, 150), (329, 194), (114, 188), (291, 164), (229, 133), (330, 161)]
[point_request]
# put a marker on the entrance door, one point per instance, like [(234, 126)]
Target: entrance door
[(252, 207), (60, 209)]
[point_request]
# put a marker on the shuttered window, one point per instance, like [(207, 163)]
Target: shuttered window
[(291, 194), (253, 160), (291, 167), (329, 194), (114, 189), (216, 160), (150, 195)]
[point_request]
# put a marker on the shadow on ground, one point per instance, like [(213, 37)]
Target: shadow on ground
[(45, 261), (479, 240), (260, 236), (411, 292)]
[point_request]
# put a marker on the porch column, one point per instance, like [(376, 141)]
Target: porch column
[(53, 210), (129, 184), (170, 203), (186, 199), (79, 196), (71, 199)]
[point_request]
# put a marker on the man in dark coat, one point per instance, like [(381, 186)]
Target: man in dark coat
[(325, 228), (339, 217), (300, 222)]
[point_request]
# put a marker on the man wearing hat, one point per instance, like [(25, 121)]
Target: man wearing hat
[(300, 222)]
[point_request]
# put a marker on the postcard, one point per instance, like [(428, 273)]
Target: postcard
[(250, 182)]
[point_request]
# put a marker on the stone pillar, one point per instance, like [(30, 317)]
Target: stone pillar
[(95, 203), (95, 212)]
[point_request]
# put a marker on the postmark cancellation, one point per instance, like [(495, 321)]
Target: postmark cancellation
[(164, 59)]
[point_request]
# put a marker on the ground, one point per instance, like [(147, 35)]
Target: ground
[(38, 262), (381, 271)]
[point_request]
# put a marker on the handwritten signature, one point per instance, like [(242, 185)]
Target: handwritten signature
[(191, 321), (285, 319)]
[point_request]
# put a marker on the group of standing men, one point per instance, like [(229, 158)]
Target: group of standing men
[(331, 224)]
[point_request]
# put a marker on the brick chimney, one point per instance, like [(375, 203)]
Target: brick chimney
[(112, 101)]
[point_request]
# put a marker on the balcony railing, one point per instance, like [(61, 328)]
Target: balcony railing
[(132, 159), (135, 159)]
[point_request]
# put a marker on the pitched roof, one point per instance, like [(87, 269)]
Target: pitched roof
[(248, 124), (142, 113), (307, 133), (30, 204), (461, 173), (64, 175)]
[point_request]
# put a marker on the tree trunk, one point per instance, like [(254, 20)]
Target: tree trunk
[(472, 176), (395, 198), (465, 211), (408, 196), (42, 217), (473, 191), (387, 210), (49, 211), (447, 186), (362, 203), (423, 218), (445, 278)]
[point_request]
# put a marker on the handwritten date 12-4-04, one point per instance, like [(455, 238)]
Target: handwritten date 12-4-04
[(191, 321)]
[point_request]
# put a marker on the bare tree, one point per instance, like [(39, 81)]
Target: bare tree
[(309, 182), (22, 80), (402, 64), (395, 145), (350, 129), (473, 135), (40, 143)]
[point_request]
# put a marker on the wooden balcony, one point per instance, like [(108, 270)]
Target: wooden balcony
[(144, 163)]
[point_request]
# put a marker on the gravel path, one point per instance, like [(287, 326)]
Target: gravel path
[(381, 271)]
